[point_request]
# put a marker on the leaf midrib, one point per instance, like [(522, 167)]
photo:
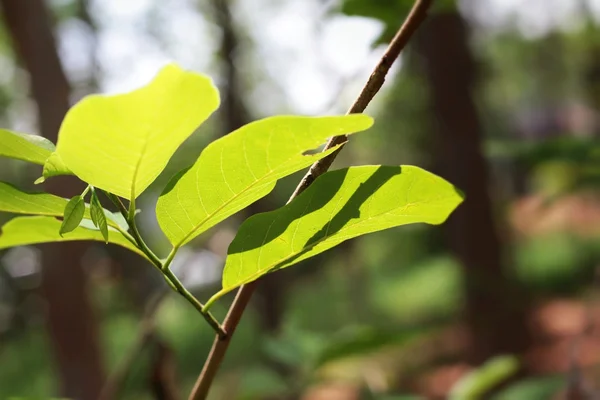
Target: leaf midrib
[(231, 200), (293, 254)]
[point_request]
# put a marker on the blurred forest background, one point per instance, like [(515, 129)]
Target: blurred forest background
[(500, 97)]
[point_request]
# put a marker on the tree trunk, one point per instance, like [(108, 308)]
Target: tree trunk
[(495, 307), (71, 324)]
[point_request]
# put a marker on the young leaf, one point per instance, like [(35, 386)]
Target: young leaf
[(240, 168), (338, 206), (23, 231), (31, 148), (73, 214), (98, 217), (121, 143), (53, 166), (15, 201)]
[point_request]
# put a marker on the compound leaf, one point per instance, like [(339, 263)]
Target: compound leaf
[(121, 143), (338, 206), (240, 168)]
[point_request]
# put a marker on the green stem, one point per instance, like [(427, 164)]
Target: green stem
[(135, 233), (163, 267), (131, 214), (117, 202), (143, 246), (213, 299), (170, 257), (198, 305), (87, 189)]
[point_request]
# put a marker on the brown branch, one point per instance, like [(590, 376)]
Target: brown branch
[(375, 82)]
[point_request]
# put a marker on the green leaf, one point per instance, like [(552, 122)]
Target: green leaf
[(15, 201), (73, 214), (31, 148), (121, 143), (98, 217), (28, 230), (338, 206), (479, 382), (53, 166), (240, 168)]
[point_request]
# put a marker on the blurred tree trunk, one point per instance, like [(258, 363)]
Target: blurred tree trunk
[(70, 321), (495, 307)]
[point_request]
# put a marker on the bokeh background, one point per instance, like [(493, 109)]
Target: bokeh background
[(501, 97)]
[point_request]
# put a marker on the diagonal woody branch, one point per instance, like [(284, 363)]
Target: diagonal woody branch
[(416, 16)]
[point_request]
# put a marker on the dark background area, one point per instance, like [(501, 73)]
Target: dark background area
[(500, 97)]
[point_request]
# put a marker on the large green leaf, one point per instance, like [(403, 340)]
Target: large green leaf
[(121, 143), (31, 148), (240, 168), (338, 206), (28, 230), (15, 201)]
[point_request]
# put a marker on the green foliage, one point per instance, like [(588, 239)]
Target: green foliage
[(240, 168), (15, 201), (22, 231), (73, 215), (430, 289), (22, 146), (31, 349), (364, 340), (121, 143), (338, 206), (533, 388), (559, 165), (479, 382), (54, 166)]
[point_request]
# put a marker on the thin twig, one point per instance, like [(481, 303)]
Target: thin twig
[(164, 267), (212, 321), (375, 82)]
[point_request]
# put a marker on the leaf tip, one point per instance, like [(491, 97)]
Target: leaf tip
[(364, 121)]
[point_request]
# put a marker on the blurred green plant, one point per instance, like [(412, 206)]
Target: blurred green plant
[(479, 382), (533, 388), (559, 165)]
